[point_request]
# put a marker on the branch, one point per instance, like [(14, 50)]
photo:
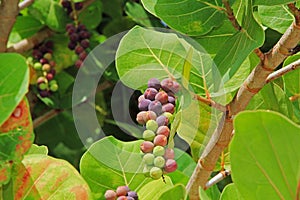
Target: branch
[(210, 102), (255, 81), (24, 4), (231, 16), (282, 71), (29, 43), (41, 119), (8, 12)]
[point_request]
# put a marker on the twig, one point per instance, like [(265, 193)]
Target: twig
[(210, 102), (217, 178), (29, 43), (295, 12), (255, 81), (259, 54), (231, 16), (8, 12), (294, 97), (41, 119), (282, 71), (24, 4)]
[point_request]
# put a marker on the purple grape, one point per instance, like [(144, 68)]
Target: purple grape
[(170, 166), (132, 194), (84, 35), (79, 49), (85, 43), (170, 85), (154, 83), (44, 93), (66, 4), (143, 104), (150, 93), (162, 120), (82, 55), (81, 27), (71, 30), (168, 108), (74, 37), (72, 45), (49, 44), (78, 5), (162, 96), (78, 63), (155, 106), (37, 54), (43, 61)]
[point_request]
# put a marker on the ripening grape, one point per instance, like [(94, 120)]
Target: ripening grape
[(170, 166), (154, 83), (160, 140), (156, 173), (163, 130), (150, 93), (147, 147)]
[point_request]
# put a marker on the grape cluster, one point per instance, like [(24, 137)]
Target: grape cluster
[(67, 4), (122, 193), (44, 66), (157, 106)]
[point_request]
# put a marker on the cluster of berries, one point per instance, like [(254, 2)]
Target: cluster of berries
[(157, 106), (44, 67), (67, 4), (122, 193)]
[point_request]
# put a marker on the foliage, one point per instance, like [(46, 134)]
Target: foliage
[(196, 43)]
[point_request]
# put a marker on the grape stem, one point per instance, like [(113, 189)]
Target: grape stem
[(8, 12), (231, 16), (29, 43), (253, 84), (41, 119)]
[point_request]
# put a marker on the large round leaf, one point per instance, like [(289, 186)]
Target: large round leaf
[(265, 156)]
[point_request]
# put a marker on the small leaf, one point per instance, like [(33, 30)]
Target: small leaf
[(93, 11), (264, 162), (230, 192), (36, 149), (211, 193), (272, 2), (110, 163), (14, 80)]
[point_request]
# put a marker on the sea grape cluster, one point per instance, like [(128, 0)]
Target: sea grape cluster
[(157, 106), (122, 193), (44, 64), (78, 34)]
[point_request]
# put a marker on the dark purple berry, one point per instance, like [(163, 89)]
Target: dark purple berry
[(52, 71), (69, 26), (150, 93), (43, 61), (156, 107), (122, 190), (37, 54), (49, 76), (79, 49), (78, 5), (162, 120), (52, 63), (160, 140), (85, 43), (71, 30), (154, 83), (81, 27), (72, 45), (49, 44), (82, 55), (168, 108), (110, 195), (44, 93), (143, 104), (84, 35), (74, 37), (132, 194), (147, 147), (66, 3), (170, 166)]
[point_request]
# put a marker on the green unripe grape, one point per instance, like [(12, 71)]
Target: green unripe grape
[(148, 135), (156, 173), (159, 161), (146, 170), (52, 82), (149, 158), (158, 151), (170, 116), (151, 125), (29, 60), (54, 87), (43, 86), (37, 66), (48, 56)]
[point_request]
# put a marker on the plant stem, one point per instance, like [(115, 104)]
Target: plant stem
[(231, 16), (8, 12), (254, 82), (210, 102), (29, 43), (293, 66), (41, 119)]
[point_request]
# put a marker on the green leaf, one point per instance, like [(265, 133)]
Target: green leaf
[(230, 192), (185, 163), (211, 193), (190, 17), (148, 53), (14, 80), (93, 11), (138, 14), (187, 68), (276, 17), (241, 44), (264, 162), (113, 8), (43, 177), (24, 27), (178, 192), (153, 189), (272, 2), (118, 25), (110, 163), (50, 13), (272, 97), (36, 149)]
